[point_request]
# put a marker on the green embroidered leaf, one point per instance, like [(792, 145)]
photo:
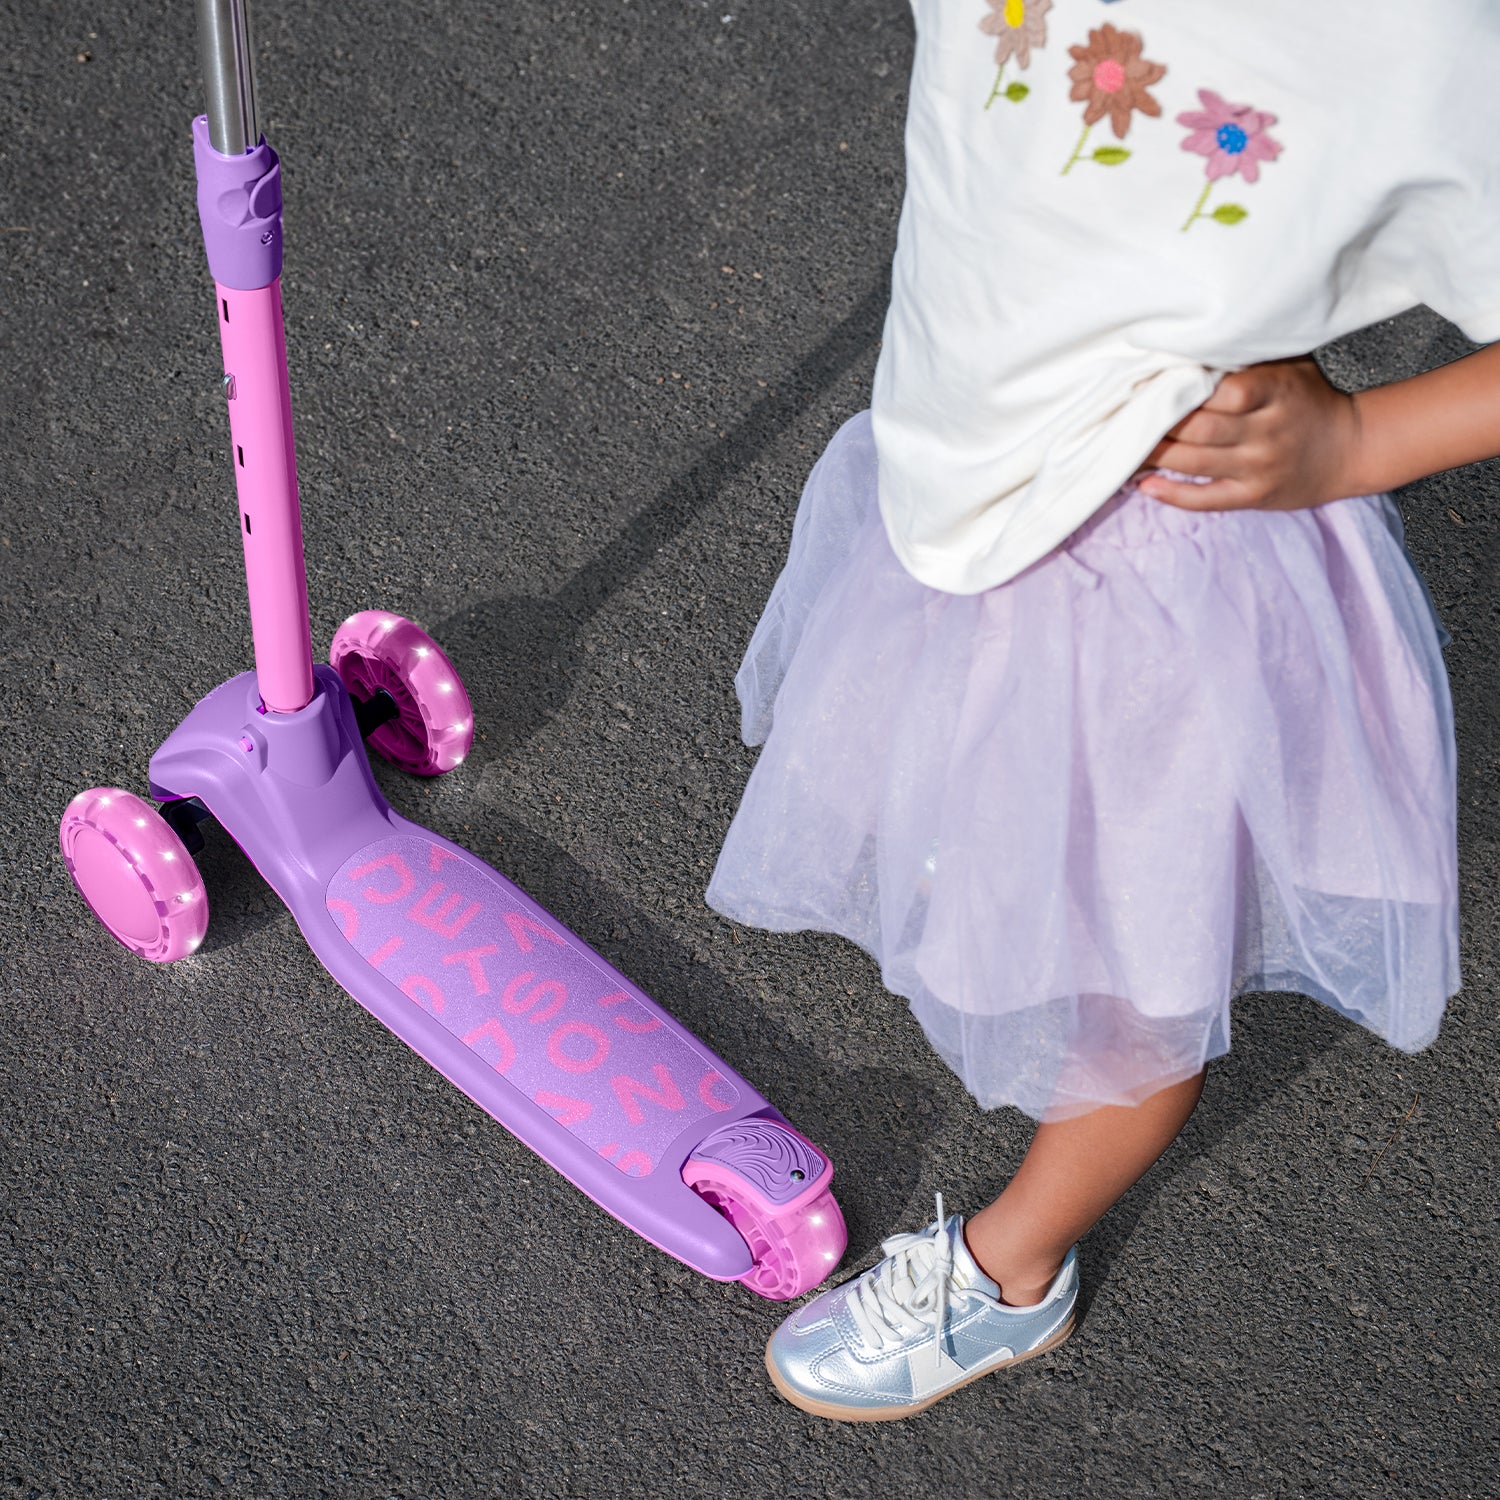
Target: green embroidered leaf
[(1111, 156), (1230, 213), (1017, 92)]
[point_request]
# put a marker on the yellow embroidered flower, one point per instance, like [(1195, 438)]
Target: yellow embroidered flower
[(1017, 26)]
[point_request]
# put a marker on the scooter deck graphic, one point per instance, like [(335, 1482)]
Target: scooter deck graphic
[(539, 1008)]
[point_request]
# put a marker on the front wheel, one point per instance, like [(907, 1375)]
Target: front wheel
[(135, 873), (433, 726)]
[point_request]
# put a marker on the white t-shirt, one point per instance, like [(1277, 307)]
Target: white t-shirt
[(1111, 205)]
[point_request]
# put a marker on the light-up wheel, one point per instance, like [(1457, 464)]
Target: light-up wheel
[(376, 651), (773, 1185), (135, 873), (793, 1250)]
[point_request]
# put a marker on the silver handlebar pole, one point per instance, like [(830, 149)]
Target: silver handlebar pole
[(228, 75)]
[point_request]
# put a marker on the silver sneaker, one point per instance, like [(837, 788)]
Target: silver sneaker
[(905, 1333)]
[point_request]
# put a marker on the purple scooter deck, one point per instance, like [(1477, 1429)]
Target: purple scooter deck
[(465, 968)]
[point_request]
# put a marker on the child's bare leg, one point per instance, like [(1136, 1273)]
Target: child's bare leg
[(1073, 1172)]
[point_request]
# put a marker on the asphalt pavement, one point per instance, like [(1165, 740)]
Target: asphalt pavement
[(575, 293)]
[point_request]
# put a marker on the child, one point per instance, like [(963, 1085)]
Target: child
[(1082, 730)]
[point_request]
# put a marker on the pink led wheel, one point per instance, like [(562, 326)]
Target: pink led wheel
[(135, 873), (376, 651), (794, 1248)]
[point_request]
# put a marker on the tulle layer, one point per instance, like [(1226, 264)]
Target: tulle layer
[(1183, 757)]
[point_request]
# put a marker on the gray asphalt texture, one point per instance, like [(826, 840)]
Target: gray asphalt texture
[(575, 293)]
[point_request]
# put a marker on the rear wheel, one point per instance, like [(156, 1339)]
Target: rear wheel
[(794, 1249), (772, 1184), (432, 729)]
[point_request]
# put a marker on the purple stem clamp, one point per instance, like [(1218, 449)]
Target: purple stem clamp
[(239, 206)]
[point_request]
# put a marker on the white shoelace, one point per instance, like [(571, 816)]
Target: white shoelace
[(907, 1292)]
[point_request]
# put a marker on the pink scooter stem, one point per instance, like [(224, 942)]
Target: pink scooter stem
[(265, 473), (239, 206)]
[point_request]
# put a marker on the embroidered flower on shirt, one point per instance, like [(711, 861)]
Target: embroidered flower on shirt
[(1017, 26), (1233, 138), (1110, 77)]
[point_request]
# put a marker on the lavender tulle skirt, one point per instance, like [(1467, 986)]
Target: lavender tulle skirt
[(1185, 756)]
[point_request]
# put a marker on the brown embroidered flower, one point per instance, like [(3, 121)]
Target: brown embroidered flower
[(1018, 26), (1112, 76)]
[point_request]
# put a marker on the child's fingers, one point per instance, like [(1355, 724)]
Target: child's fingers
[(1210, 428), (1220, 494), (1200, 458)]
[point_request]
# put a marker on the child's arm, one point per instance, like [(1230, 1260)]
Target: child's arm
[(1277, 436)]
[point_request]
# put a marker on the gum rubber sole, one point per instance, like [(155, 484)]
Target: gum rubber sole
[(895, 1413)]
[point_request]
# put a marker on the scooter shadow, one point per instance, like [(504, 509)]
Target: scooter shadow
[(519, 661), (518, 656), (240, 902)]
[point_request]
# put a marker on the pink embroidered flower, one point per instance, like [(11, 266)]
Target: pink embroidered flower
[(1232, 136), (1111, 77)]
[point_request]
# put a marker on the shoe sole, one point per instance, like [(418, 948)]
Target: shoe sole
[(895, 1413)]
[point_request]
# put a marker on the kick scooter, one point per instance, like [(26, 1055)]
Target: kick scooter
[(532, 1024)]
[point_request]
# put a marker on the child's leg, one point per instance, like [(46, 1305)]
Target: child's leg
[(1070, 1176)]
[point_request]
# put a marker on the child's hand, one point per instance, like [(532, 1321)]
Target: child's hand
[(1273, 436)]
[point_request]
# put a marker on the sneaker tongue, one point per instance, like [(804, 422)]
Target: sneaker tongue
[(966, 1272)]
